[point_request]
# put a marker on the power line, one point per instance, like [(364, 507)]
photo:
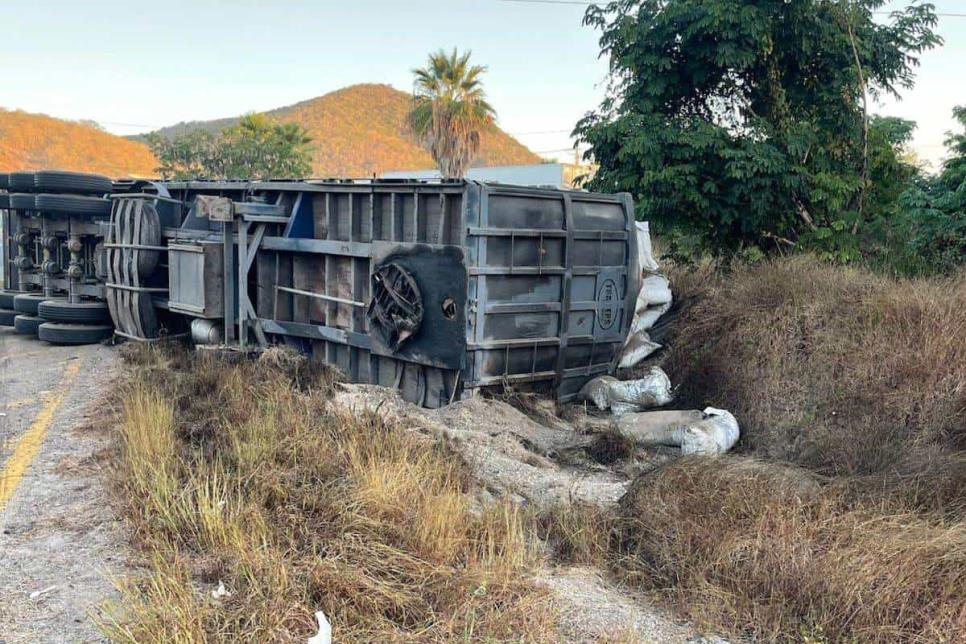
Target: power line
[(585, 3)]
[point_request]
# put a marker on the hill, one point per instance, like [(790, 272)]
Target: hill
[(361, 130), (33, 141)]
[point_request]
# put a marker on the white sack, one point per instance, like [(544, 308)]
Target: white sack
[(653, 301), (715, 434), (638, 346), (654, 428), (710, 432), (655, 289), (607, 392), (645, 254), (647, 318)]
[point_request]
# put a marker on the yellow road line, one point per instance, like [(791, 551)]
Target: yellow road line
[(29, 444)]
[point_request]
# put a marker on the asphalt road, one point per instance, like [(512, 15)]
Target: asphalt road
[(60, 545)]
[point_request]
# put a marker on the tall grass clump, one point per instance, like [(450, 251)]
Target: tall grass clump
[(845, 518), (837, 369), (766, 550), (242, 472)]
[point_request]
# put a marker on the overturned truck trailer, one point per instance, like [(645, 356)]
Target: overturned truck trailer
[(436, 288)]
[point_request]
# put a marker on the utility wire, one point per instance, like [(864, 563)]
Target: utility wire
[(584, 3)]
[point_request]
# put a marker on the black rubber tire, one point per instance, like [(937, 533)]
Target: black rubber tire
[(79, 183), (27, 324), (7, 316), (63, 311), (4, 201), (62, 333), (28, 302), (6, 298), (21, 182), (73, 205), (4, 180), (22, 201)]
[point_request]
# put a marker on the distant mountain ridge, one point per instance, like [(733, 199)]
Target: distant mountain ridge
[(361, 130), (357, 131), (34, 141)]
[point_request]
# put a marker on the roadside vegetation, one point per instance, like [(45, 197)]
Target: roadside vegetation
[(820, 297), (241, 473), (256, 147), (746, 129), (842, 515), (450, 112)]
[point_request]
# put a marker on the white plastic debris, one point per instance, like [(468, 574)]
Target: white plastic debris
[(38, 593), (324, 636), (712, 431), (607, 392), (221, 591)]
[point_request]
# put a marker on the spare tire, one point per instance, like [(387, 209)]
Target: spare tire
[(63, 311), (7, 316), (21, 201), (74, 205), (28, 302), (21, 182), (72, 182), (6, 298), (63, 333), (27, 324)]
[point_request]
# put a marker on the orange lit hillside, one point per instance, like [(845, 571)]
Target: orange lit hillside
[(34, 141), (361, 130)]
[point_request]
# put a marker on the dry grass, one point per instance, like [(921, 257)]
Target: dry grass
[(242, 473), (861, 382), (762, 549), (836, 369)]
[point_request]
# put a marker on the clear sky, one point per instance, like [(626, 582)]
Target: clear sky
[(135, 66)]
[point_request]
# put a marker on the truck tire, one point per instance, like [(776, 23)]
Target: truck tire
[(7, 316), (27, 324), (6, 298), (28, 302), (63, 311), (21, 182), (64, 333), (73, 205), (21, 201), (80, 183)]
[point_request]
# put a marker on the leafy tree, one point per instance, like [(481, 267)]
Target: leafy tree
[(450, 110), (741, 125), (255, 147), (935, 208)]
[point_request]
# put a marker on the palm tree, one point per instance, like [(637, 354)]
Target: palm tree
[(450, 110)]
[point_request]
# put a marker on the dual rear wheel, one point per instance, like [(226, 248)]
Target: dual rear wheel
[(56, 320)]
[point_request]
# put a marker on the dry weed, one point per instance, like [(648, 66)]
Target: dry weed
[(240, 472), (834, 368), (765, 550)]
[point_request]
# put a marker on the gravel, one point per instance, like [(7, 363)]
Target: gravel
[(60, 543)]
